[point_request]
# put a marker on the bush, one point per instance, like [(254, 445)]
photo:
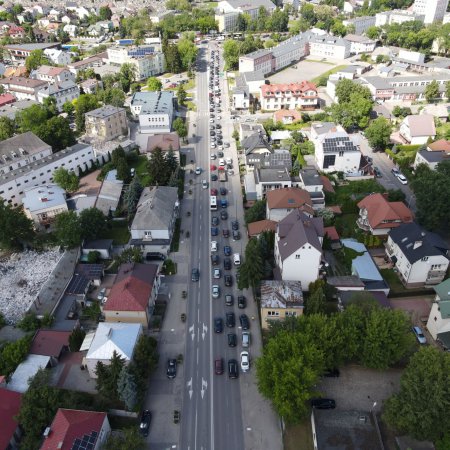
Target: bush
[(29, 322)]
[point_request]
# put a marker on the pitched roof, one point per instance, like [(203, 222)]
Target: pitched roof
[(278, 115), (51, 71), (256, 140), (415, 242), (71, 424), (296, 230), (332, 233), (49, 342), (289, 198), (442, 145), (255, 228), (9, 408), (381, 213), (421, 125), (164, 141), (296, 89), (443, 290), (327, 186), (133, 287)]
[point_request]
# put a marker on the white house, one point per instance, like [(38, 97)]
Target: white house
[(71, 30), (310, 180), (360, 44), (63, 92), (58, 57), (23, 88), (397, 16), (298, 248), (434, 154), (420, 256), (301, 95), (329, 47), (53, 74), (417, 129), (154, 110), (241, 97), (438, 324)]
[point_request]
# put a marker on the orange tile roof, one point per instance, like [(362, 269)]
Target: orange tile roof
[(287, 113), (255, 228), (327, 186), (332, 233), (288, 198), (441, 145), (295, 88)]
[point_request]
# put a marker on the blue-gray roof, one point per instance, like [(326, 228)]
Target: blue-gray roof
[(44, 197), (363, 265), (158, 102)]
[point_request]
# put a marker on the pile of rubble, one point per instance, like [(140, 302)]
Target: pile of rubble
[(21, 279)]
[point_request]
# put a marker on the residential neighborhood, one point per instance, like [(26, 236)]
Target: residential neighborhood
[(225, 225)]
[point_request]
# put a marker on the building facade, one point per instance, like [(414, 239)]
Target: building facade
[(301, 95), (432, 10), (63, 92), (106, 123), (23, 88)]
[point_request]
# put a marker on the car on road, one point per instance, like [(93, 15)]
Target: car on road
[(212, 133), (205, 184), (229, 300), (171, 368), (218, 366), (230, 319), (215, 260), (236, 235), (323, 403), (242, 302), (233, 368), (213, 191), (213, 156), (212, 145), (213, 177), (232, 340), (198, 171), (421, 339), (146, 419), (227, 263), (218, 325), (226, 233), (245, 339), (214, 231), (235, 225), (215, 291), (212, 167), (223, 191), (195, 274), (245, 323), (223, 203), (402, 178), (227, 250), (220, 154), (223, 215), (245, 361), (214, 246), (228, 280), (395, 171), (217, 273), (377, 172)]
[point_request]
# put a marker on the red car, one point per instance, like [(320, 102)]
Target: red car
[(213, 167), (218, 366), (213, 191), (221, 168), (173, 85)]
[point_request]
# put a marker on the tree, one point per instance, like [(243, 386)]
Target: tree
[(353, 113), (154, 84), (345, 88), (66, 180), (68, 230), (108, 376), (251, 270), (69, 108), (84, 104), (35, 60), (171, 160), (181, 95), (129, 255), (338, 28), (173, 59), (123, 171), (7, 128), (231, 54), (105, 13), (16, 228), (378, 133), (56, 132), (132, 195), (315, 303), (13, 353), (29, 322), (112, 96), (373, 32), (76, 339), (127, 76), (180, 127), (127, 440), (178, 5), (30, 119), (256, 212), (157, 168), (93, 223), (117, 154), (447, 90), (126, 388), (188, 52), (424, 397), (432, 91), (50, 105)]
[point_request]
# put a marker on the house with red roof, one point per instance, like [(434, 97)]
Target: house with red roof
[(76, 429), (286, 116), (10, 432), (280, 203), (133, 294), (301, 95), (6, 99), (379, 216), (51, 343)]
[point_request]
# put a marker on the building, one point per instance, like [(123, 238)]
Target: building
[(27, 369), (434, 154), (106, 123), (104, 248), (154, 110), (26, 161), (360, 44), (281, 202), (280, 299), (254, 229), (433, 10), (287, 116), (360, 24), (310, 180), (417, 129), (110, 193), (65, 91), (420, 256), (53, 343), (327, 46), (251, 80), (52, 74), (20, 52), (59, 57), (23, 88), (301, 95), (43, 203), (255, 146), (108, 338), (132, 297), (240, 98), (298, 248), (397, 16), (438, 324), (336, 152), (91, 86), (10, 402), (166, 142), (378, 215), (264, 180), (76, 429), (6, 99), (87, 63)]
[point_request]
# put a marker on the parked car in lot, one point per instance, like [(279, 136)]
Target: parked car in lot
[(214, 221), (146, 419), (215, 260), (377, 172), (223, 215), (101, 294), (245, 324), (242, 302), (227, 263), (245, 339), (235, 225), (402, 179), (228, 280), (229, 300), (217, 273), (421, 339), (236, 235), (323, 403), (231, 320), (171, 368), (214, 246), (226, 233), (395, 171), (227, 250), (214, 231)]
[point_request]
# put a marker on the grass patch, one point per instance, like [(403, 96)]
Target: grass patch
[(346, 225), (298, 437), (121, 423), (190, 84), (392, 280), (319, 61), (328, 72), (169, 267), (443, 130), (296, 126), (405, 155), (175, 245), (191, 106), (140, 165), (118, 232)]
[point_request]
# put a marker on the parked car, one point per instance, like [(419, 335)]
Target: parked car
[(171, 368), (232, 339), (223, 215), (227, 263), (227, 250), (229, 300), (233, 368), (215, 260), (236, 235), (377, 172), (235, 225), (402, 178), (245, 361), (217, 273), (214, 221), (101, 294), (218, 366), (195, 275), (213, 191), (214, 246), (245, 324), (228, 280), (230, 319), (214, 231), (245, 339), (323, 403), (215, 291), (242, 302), (226, 233), (218, 325), (395, 171), (421, 339), (213, 177), (146, 419)]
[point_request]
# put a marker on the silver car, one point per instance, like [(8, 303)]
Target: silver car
[(245, 339)]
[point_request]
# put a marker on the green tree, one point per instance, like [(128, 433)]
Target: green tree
[(56, 132), (29, 322), (127, 389), (68, 230), (76, 339), (424, 397), (50, 105), (251, 270), (93, 223), (117, 154), (256, 212), (7, 128), (188, 52), (16, 228), (338, 28), (66, 180), (315, 303), (308, 14), (353, 113), (129, 255), (84, 104), (231, 54), (30, 119), (154, 84), (432, 92), (127, 76), (180, 127), (105, 13), (129, 439), (447, 90), (145, 360), (69, 108), (108, 376), (346, 88), (157, 168), (112, 96), (35, 60), (181, 96), (171, 160), (132, 195), (378, 133), (13, 353), (123, 170), (373, 32), (173, 58)]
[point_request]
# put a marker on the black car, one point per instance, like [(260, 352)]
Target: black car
[(235, 225), (332, 373), (228, 280), (195, 274), (226, 233), (323, 403), (146, 419), (215, 221), (231, 320), (232, 340), (236, 235), (243, 319), (218, 325), (219, 141), (227, 264), (212, 133), (218, 126), (171, 368), (233, 371), (242, 302), (214, 231), (223, 191), (227, 250), (223, 215), (213, 177), (220, 154)]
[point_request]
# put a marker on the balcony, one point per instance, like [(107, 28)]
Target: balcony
[(363, 225), (435, 277)]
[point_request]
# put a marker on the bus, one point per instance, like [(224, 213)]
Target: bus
[(213, 203)]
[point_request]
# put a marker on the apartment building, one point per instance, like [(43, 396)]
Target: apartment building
[(432, 10), (63, 92), (57, 56), (23, 88), (301, 95), (52, 74), (19, 52), (360, 24), (360, 44), (87, 63), (327, 46), (397, 16), (106, 123)]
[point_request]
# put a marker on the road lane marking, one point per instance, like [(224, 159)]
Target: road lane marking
[(204, 387), (205, 330), (189, 385), (191, 330), (197, 356)]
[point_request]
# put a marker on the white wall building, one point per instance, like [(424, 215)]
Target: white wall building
[(52, 74), (433, 10), (361, 24), (438, 323), (417, 129), (301, 95), (396, 16), (23, 88), (360, 44), (58, 57), (63, 92), (329, 47)]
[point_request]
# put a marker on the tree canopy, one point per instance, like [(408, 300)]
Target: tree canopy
[(16, 228), (256, 212), (66, 180), (93, 223), (154, 84), (7, 128), (68, 230), (378, 133)]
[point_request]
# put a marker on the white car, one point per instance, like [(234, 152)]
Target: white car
[(221, 162), (229, 161), (211, 120), (219, 117), (245, 361), (402, 178), (198, 170), (220, 147), (216, 274), (213, 155), (213, 145), (214, 246), (205, 184)]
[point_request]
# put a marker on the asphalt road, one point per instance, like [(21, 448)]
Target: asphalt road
[(212, 415)]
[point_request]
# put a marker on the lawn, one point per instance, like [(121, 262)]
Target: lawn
[(346, 225), (328, 72), (392, 280), (298, 437), (443, 130), (118, 422), (356, 189), (118, 232), (140, 165), (189, 85)]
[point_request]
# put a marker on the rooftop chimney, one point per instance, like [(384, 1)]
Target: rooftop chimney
[(417, 244)]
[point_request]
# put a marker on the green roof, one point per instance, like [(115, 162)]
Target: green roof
[(444, 338), (444, 307), (443, 289)]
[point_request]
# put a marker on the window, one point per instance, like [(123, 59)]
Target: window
[(147, 234), (329, 160), (297, 256), (273, 313), (425, 258)]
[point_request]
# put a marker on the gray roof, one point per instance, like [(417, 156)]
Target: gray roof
[(44, 197), (281, 294), (28, 142), (433, 157), (98, 244), (104, 111), (153, 102), (155, 208), (257, 140), (345, 281), (296, 230), (310, 177), (31, 47), (415, 242), (323, 127), (272, 175), (253, 4), (12, 109), (55, 88)]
